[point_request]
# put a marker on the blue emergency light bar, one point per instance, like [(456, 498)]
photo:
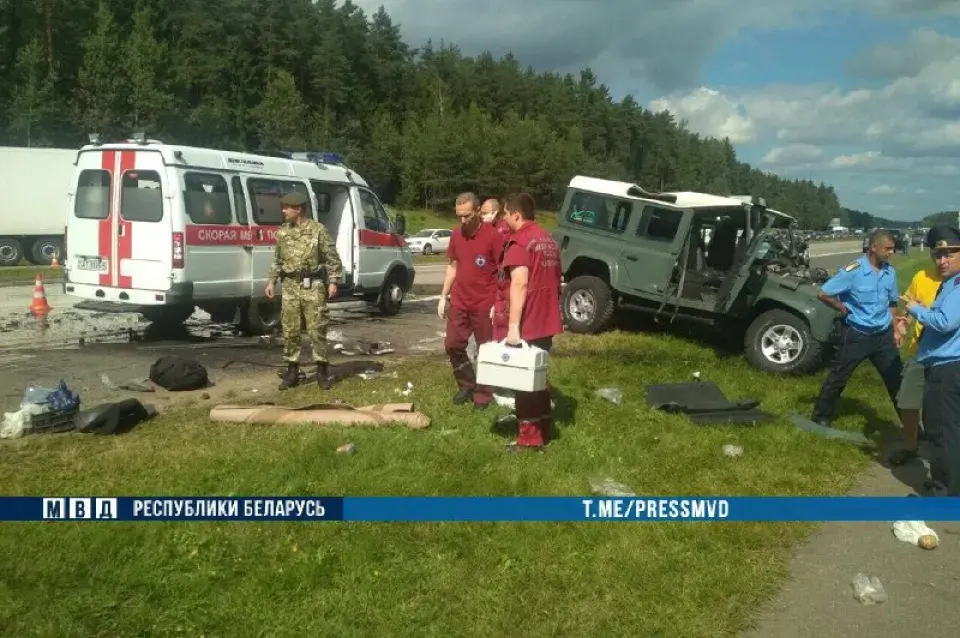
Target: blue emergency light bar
[(321, 157)]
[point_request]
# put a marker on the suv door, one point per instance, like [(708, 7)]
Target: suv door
[(649, 256)]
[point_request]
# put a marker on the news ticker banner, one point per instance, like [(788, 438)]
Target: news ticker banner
[(477, 509)]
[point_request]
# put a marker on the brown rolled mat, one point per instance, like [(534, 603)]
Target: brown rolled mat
[(323, 414)]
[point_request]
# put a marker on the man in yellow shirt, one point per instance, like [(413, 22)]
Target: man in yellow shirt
[(923, 288)]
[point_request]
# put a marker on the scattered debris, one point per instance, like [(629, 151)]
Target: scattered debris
[(352, 348), (916, 533), (505, 402), (696, 375), (868, 590), (406, 392), (347, 448), (704, 402), (614, 395), (732, 450), (140, 385), (373, 374), (828, 432), (205, 396), (609, 487)]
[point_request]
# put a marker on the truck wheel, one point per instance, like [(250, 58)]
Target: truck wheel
[(45, 249), (587, 305), (167, 316), (391, 297), (11, 253), (780, 342), (262, 317)]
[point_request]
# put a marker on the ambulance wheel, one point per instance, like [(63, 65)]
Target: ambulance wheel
[(391, 297), (262, 317), (167, 316), (10, 252), (45, 249)]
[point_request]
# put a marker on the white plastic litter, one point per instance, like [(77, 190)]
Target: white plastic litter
[(614, 395), (15, 425), (608, 487), (911, 531), (868, 590), (732, 450)]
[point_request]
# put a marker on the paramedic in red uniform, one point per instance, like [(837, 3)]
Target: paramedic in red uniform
[(473, 254), (491, 213), (527, 308)]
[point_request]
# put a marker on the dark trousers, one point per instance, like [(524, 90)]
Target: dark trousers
[(855, 348), (941, 421), (460, 325), (533, 409)]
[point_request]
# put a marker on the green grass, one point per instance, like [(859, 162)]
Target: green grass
[(23, 274), (353, 579)]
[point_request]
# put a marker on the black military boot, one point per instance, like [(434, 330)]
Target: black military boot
[(323, 376), (291, 378)]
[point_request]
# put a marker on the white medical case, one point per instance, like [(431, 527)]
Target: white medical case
[(523, 368)]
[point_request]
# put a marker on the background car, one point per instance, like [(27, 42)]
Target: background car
[(900, 239), (430, 240)]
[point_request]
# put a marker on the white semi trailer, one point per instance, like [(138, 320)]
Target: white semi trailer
[(35, 186)]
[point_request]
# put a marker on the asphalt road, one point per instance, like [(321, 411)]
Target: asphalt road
[(830, 255), (82, 342)]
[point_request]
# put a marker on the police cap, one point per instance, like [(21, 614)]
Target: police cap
[(943, 236), (293, 199)]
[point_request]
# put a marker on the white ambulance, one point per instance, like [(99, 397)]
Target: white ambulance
[(169, 228)]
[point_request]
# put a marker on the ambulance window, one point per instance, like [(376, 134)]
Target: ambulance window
[(142, 197), (265, 195), (374, 217), (92, 200), (239, 202), (206, 198)]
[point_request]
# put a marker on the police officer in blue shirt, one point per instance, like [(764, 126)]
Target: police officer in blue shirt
[(865, 294), (938, 351)]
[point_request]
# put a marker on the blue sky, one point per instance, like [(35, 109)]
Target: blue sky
[(860, 94)]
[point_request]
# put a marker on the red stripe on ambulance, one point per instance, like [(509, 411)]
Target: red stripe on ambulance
[(374, 238), (105, 226), (124, 228)]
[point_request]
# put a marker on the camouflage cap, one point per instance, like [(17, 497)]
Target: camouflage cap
[(293, 199)]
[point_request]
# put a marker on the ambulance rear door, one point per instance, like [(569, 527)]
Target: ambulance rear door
[(120, 235)]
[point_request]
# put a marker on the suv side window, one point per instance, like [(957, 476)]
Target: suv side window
[(374, 217), (659, 224), (600, 212)]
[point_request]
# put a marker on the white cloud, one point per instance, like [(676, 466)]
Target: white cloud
[(653, 42), (908, 129), (792, 155), (706, 109)]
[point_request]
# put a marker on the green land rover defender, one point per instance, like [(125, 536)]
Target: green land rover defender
[(728, 262)]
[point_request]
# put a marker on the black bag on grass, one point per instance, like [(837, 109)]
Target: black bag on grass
[(179, 374)]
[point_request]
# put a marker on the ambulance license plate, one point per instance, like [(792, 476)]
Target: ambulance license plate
[(92, 263)]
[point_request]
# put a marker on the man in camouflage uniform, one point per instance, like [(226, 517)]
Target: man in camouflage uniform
[(307, 264)]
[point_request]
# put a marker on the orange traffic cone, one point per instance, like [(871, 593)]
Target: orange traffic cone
[(40, 308), (53, 262)]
